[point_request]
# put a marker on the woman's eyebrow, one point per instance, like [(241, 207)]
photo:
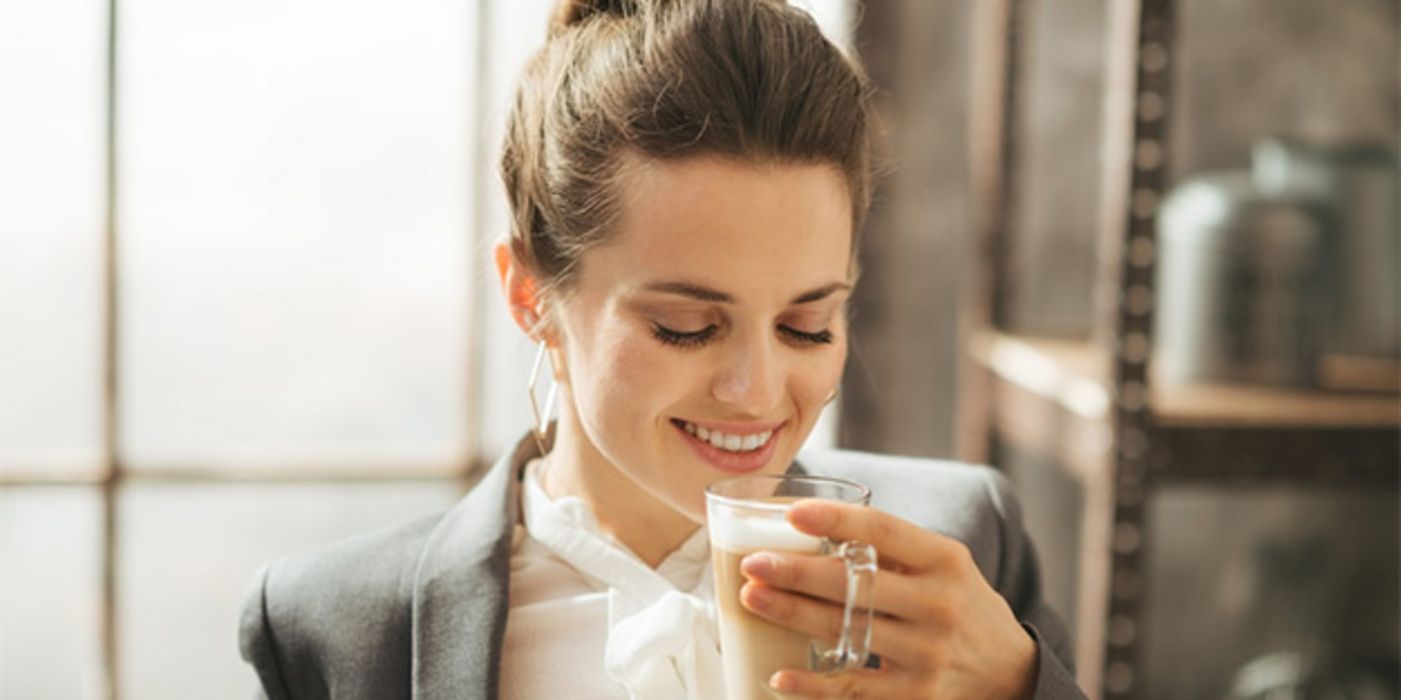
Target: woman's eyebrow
[(700, 293), (693, 291), (819, 293)]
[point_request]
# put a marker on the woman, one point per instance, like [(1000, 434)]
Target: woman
[(687, 178)]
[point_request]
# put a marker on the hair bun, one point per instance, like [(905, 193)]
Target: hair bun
[(571, 12)]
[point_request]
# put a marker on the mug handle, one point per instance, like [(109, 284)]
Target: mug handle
[(854, 645)]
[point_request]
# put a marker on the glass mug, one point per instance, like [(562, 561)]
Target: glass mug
[(746, 515)]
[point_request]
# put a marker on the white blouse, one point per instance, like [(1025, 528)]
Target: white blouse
[(589, 620)]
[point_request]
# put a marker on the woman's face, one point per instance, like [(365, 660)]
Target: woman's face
[(703, 339)]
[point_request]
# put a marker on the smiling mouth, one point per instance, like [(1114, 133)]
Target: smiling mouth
[(729, 442)]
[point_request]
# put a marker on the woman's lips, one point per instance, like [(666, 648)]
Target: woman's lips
[(726, 460)]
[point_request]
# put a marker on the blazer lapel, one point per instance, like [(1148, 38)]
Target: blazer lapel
[(459, 601)]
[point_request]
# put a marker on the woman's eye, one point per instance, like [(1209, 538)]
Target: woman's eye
[(683, 338), (823, 337)]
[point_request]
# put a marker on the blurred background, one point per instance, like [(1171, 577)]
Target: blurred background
[(1141, 256)]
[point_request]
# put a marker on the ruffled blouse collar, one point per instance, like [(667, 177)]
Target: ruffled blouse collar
[(661, 640)]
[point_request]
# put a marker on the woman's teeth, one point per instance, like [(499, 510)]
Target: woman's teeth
[(728, 442)]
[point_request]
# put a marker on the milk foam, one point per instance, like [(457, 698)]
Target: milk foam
[(738, 532)]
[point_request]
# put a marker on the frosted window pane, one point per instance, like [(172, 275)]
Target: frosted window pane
[(189, 552), (295, 221), (52, 116), (1300, 583), (49, 593), (835, 17)]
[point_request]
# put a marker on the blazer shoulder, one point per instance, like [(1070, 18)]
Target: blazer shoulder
[(886, 466), (948, 491), (968, 502), (319, 619)]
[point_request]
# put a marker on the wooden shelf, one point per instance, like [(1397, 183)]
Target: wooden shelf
[(1053, 396), (1068, 372), (1048, 396), (1216, 406)]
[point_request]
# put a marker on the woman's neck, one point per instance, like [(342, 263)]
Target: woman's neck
[(647, 526)]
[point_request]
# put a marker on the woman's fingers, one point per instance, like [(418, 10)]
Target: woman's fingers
[(897, 541), (891, 639), (825, 578), (856, 683), (815, 575)]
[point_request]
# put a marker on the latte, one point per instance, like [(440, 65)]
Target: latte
[(754, 648)]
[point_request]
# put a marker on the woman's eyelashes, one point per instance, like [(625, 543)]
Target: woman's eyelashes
[(683, 339), (822, 337), (695, 338)]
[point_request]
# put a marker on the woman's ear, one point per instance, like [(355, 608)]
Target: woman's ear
[(519, 287)]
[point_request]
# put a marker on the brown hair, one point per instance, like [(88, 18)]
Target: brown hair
[(668, 79)]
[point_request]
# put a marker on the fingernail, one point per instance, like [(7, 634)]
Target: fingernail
[(782, 682), (759, 565)]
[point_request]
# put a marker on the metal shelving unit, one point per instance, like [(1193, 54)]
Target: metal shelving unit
[(1090, 405)]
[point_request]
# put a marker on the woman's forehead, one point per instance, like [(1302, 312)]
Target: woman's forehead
[(729, 226)]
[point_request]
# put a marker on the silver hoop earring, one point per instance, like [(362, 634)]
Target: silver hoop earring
[(830, 397), (541, 429)]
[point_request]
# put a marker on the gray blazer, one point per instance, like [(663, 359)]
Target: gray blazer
[(418, 611)]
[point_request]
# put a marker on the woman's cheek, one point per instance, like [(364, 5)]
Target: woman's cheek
[(638, 377), (817, 382)]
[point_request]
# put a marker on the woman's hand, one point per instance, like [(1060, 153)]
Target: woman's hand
[(940, 630)]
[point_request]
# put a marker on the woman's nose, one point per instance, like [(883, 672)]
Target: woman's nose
[(750, 382)]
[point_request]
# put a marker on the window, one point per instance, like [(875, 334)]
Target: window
[(296, 203)]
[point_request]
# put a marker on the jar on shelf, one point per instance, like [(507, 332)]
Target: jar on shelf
[(1363, 183), (1244, 283)]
